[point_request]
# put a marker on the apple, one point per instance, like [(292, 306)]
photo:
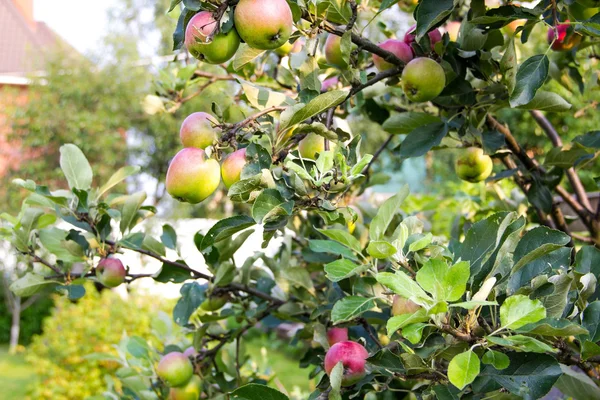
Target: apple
[(197, 130), (312, 145), (333, 51), (288, 48), (263, 24), (213, 50), (423, 79), (329, 84), (353, 357), (402, 305), (191, 390), (408, 5), (190, 352), (473, 166), (453, 27), (214, 303), (192, 177), (434, 36), (175, 369), (232, 167), (511, 28), (110, 272), (336, 335), (396, 47), (562, 43)]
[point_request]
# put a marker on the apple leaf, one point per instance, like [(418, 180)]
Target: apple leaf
[(245, 55), (342, 269), (75, 167), (406, 122), (530, 77), (316, 106), (386, 213), (520, 310), (463, 369), (30, 284), (422, 139), (431, 13), (254, 391), (499, 360), (350, 307), (442, 282)]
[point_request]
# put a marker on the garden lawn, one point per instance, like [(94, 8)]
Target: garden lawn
[(16, 376)]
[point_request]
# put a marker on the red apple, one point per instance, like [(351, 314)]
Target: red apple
[(562, 43), (110, 272), (263, 24), (396, 47), (232, 167), (353, 357), (192, 177), (335, 335), (434, 36), (197, 130), (203, 45)]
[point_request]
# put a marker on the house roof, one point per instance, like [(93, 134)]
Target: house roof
[(22, 45)]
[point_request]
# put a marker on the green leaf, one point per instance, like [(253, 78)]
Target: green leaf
[(497, 359), (400, 321), (244, 55), (469, 305), (169, 237), (589, 349), (174, 4), (422, 139), (316, 106), (30, 284), (431, 13), (521, 343), (565, 158), (73, 292), (335, 377), (442, 282), (381, 249), (119, 176), (530, 77), (153, 245), (402, 284), (261, 97), (386, 213), (406, 122), (192, 295), (529, 375), (241, 190), (332, 247), (553, 327), (138, 347), (591, 320), (225, 274), (298, 276), (350, 307), (170, 273), (130, 208), (270, 202), (519, 310), (576, 384), (55, 241), (224, 229), (421, 243), (309, 75), (463, 369), (547, 101), (75, 167), (342, 269), (508, 65), (414, 332), (342, 237), (590, 139)]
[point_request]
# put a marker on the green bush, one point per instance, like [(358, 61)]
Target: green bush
[(76, 330)]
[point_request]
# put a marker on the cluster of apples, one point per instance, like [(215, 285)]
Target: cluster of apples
[(262, 24), (423, 79), (177, 371), (192, 176)]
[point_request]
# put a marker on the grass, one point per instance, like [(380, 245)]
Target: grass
[(16, 376), (286, 370)]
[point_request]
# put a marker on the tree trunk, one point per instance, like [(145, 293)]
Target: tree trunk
[(15, 327)]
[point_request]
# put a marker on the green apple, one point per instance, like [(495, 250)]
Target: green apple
[(110, 272), (232, 167), (175, 369), (197, 130), (333, 51), (312, 145), (213, 50), (263, 24), (192, 177), (288, 48), (474, 166), (191, 391), (423, 79), (214, 303)]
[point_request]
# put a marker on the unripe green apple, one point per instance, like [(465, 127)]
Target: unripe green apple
[(312, 145), (232, 167), (336, 335), (191, 391), (110, 272), (333, 51), (175, 369), (353, 357), (423, 79), (288, 48), (192, 177), (214, 303), (396, 47), (402, 305), (197, 130), (263, 24), (213, 50), (474, 166)]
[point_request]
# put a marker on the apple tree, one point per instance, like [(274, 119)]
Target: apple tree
[(508, 307)]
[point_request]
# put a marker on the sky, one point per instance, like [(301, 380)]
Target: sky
[(82, 23)]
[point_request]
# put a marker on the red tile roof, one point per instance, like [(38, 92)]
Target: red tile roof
[(22, 45)]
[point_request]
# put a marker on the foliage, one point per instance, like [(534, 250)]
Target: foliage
[(508, 303), (31, 320), (63, 353)]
